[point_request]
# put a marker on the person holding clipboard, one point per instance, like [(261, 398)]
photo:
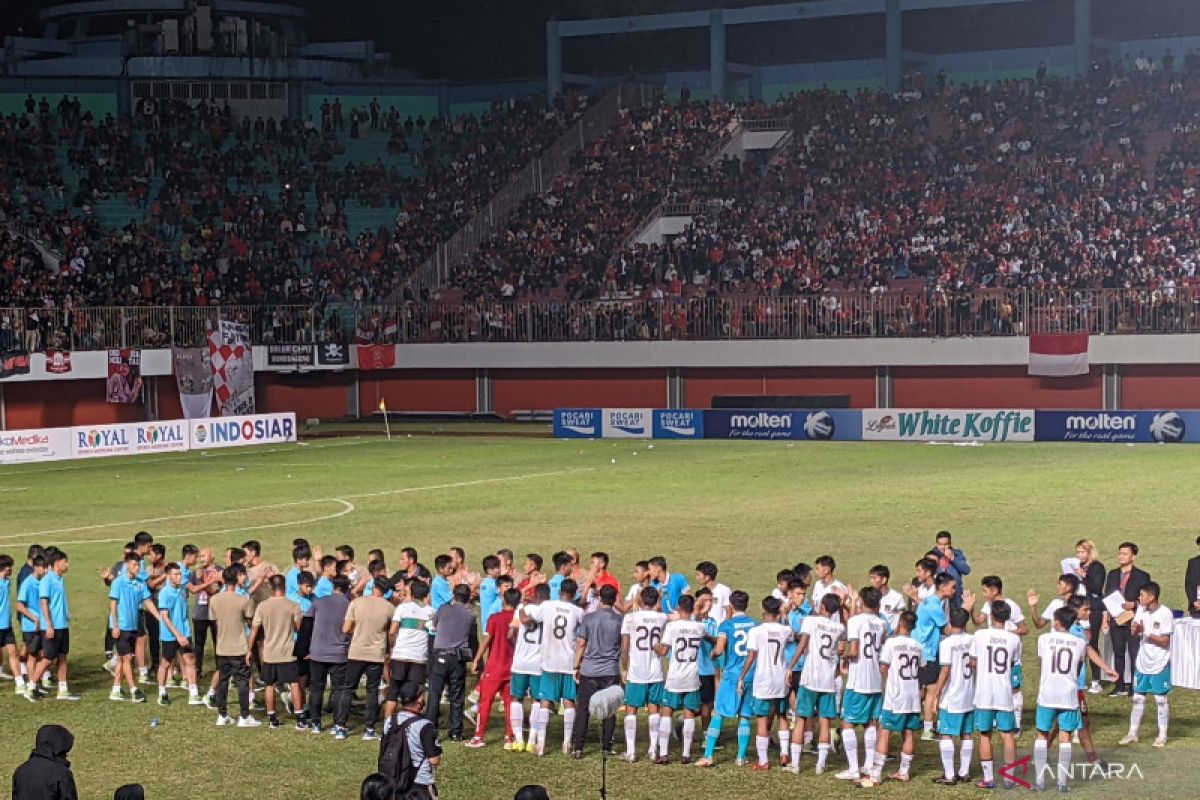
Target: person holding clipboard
[(1127, 580)]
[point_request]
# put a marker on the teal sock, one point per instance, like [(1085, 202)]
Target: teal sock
[(743, 738), (711, 736)]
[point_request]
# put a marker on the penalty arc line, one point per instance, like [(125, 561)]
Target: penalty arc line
[(293, 503)]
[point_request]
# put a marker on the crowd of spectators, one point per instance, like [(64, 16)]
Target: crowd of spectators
[(940, 209), (246, 213)]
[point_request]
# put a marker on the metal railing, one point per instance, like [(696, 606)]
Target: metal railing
[(827, 315), (532, 179)]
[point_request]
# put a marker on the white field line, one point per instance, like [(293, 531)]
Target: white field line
[(16, 489), (348, 508)]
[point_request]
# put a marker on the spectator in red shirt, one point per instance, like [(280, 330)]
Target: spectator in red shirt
[(595, 579), (497, 648)]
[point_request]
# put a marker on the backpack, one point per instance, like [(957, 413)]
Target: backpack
[(395, 754)]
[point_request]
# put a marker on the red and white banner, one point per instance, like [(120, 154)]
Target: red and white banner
[(1058, 354), (58, 362), (232, 359), (376, 356)]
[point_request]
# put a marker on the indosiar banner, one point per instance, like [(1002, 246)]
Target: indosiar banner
[(1150, 427)]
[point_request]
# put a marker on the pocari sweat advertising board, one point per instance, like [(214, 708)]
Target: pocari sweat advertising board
[(625, 423), (1150, 427), (577, 423), (678, 424)]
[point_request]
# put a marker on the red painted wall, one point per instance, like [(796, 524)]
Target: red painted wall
[(450, 390), (324, 395), (993, 387), (701, 385), (39, 405), (559, 388), (1160, 386)]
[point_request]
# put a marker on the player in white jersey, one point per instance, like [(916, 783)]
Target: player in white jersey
[(862, 702), (1068, 586), (956, 704), (641, 631), (559, 619), (900, 661), (681, 641), (641, 579), (821, 636), (706, 578), (994, 652), (1154, 624), (1062, 655), (765, 648), (825, 583), (891, 602), (992, 590), (527, 672)]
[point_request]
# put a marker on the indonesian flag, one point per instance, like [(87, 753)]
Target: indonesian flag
[(1058, 354)]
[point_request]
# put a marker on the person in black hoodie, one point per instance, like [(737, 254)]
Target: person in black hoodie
[(47, 773)]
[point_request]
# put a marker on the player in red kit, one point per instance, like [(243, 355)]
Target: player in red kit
[(497, 649)]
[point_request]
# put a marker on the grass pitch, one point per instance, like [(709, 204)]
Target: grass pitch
[(752, 507)]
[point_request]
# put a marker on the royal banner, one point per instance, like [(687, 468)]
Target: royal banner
[(232, 360), (218, 432), (193, 378), (948, 425), (124, 376), (13, 362), (58, 362), (129, 438)]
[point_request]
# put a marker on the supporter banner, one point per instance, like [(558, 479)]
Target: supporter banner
[(677, 424), (289, 355), (124, 376), (58, 362), (129, 438), (947, 425), (193, 377), (577, 423), (376, 356), (232, 361), (332, 354), (1165, 427), (239, 431), (625, 423), (42, 444), (816, 424), (13, 362)]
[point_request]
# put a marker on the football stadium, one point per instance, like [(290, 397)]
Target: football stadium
[(599, 398)]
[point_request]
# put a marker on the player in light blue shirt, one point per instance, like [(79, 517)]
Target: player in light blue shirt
[(671, 586), (488, 595), (175, 631), (440, 591), (706, 665), (7, 640), (733, 699), (301, 559), (128, 595), (325, 581), (56, 621)]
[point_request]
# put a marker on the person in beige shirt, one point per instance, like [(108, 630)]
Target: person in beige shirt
[(276, 621), (232, 612), (368, 619)]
